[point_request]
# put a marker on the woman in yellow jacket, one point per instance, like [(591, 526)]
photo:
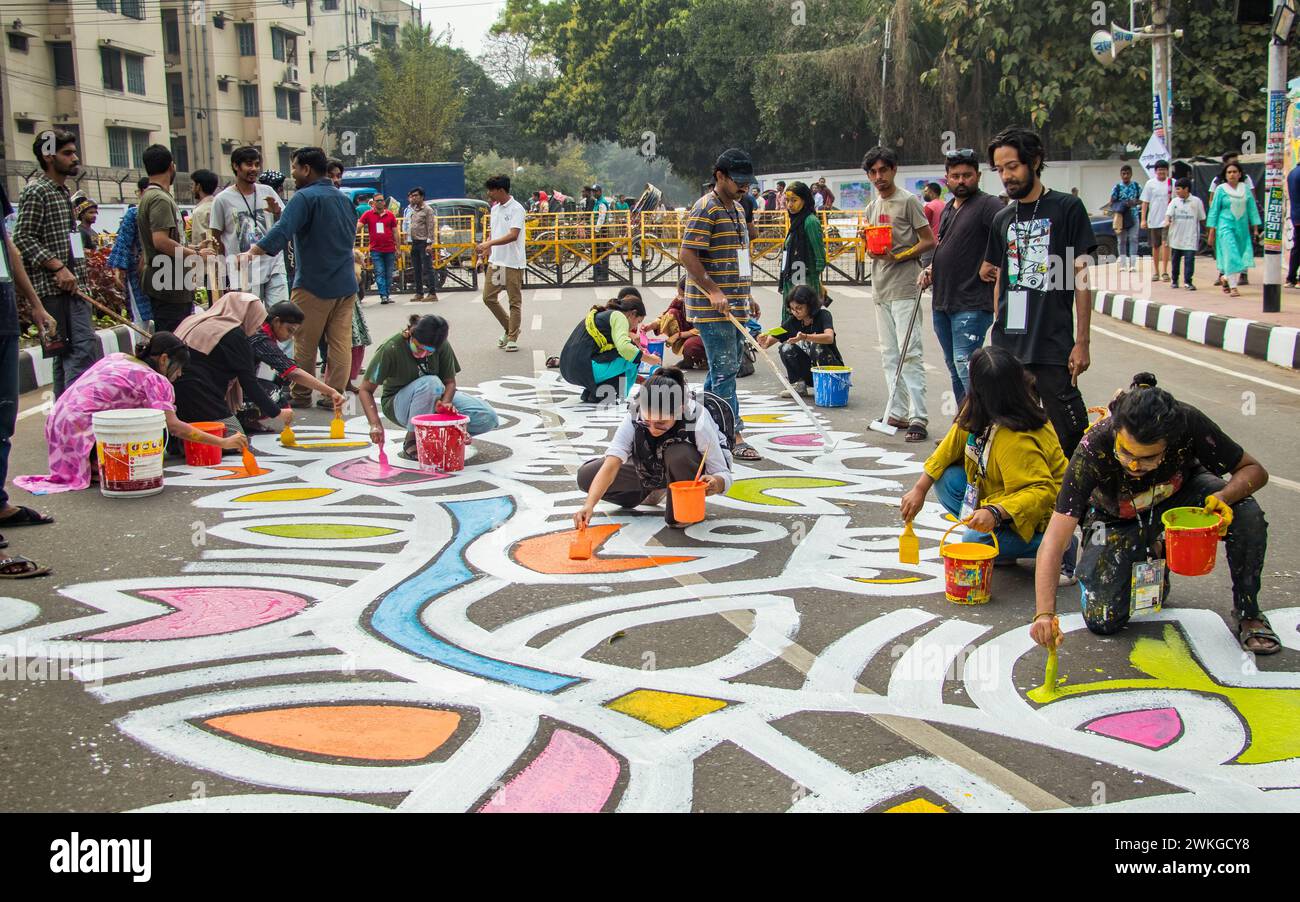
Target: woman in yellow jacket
[(1000, 466)]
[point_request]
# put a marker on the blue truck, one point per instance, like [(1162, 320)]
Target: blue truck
[(395, 180)]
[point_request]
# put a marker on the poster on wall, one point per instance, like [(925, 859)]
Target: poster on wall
[(854, 195)]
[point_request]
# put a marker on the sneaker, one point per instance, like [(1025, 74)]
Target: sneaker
[(501, 342), (1164, 277), (510, 346), (800, 387), (417, 298), (385, 300), (1068, 562), (1190, 287)]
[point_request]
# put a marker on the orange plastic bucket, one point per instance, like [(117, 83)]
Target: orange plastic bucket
[(197, 455), (1191, 540), (967, 569), (880, 238), (688, 500)]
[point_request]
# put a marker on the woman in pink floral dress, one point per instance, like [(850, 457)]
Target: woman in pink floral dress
[(116, 382)]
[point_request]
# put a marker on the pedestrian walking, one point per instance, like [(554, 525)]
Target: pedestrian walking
[(320, 221), (1038, 253), (1232, 221), (600, 205), (961, 302), (53, 253), (1183, 231), (503, 254), (381, 227), (1124, 200), (803, 258), (715, 254), (422, 235), (894, 279), (1156, 195), (242, 215)]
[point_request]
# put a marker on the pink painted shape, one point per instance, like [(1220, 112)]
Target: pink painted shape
[(366, 472), (1152, 728), (572, 775), (208, 612), (803, 440)]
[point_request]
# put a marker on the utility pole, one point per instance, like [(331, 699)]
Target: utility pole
[(1284, 14), (884, 73), (1162, 79)]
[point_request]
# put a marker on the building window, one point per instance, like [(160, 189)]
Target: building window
[(171, 32), (110, 62), (223, 85), (284, 46), (309, 21), (311, 61), (287, 105), (176, 96), (247, 40), (135, 74), (139, 141), (277, 44), (329, 6), (64, 73), (133, 9), (181, 153), (248, 93), (295, 107), (219, 20), (27, 126), (119, 150), (18, 42), (374, 29), (108, 6), (286, 163), (288, 3)]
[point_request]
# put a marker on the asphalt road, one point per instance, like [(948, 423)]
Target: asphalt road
[(783, 739)]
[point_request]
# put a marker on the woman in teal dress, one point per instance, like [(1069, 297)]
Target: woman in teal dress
[(1232, 219)]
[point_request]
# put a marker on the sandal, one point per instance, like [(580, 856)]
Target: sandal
[(20, 568), (25, 516), (916, 433), (1265, 632), (898, 422), (552, 363), (745, 451), (1234, 293)]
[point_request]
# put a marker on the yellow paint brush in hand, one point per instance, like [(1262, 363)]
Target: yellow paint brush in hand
[(909, 547), (287, 438), (336, 425)]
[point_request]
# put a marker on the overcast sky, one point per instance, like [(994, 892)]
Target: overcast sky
[(469, 20)]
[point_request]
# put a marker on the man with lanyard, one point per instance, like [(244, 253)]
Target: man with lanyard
[(46, 235), (242, 215), (1038, 254), (167, 278), (962, 303), (715, 255), (600, 206)]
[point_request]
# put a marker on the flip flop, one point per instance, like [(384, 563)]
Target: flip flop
[(20, 568), (552, 362), (25, 517), (916, 433), (745, 451)]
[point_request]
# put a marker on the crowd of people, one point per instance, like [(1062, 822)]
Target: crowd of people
[(1020, 461)]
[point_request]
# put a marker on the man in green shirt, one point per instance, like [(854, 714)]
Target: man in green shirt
[(416, 369)]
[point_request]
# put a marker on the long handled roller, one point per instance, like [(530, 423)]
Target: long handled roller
[(827, 444)]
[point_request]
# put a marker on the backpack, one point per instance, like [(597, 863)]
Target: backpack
[(747, 360), (722, 415)]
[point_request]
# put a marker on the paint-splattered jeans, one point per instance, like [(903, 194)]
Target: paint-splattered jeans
[(723, 346), (960, 334), (1110, 550)]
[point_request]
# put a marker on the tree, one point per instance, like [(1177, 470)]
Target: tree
[(419, 99)]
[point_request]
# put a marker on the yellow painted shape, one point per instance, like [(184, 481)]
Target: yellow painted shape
[(306, 493), (665, 710), (765, 417), (310, 445), (917, 806), (755, 490), (888, 582), (1272, 716), (323, 531)]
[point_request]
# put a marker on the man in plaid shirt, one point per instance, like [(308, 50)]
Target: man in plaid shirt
[(47, 237)]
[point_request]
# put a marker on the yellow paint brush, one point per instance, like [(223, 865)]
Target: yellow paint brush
[(336, 425), (909, 547), (287, 438)]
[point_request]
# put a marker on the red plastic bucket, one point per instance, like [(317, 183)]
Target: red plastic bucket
[(197, 455), (880, 238), (967, 569), (1191, 540), (440, 440)]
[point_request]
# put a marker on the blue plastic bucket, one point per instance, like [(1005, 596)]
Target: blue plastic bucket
[(831, 385), (656, 347)]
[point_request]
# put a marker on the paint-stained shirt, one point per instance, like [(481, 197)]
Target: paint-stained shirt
[(719, 235), (1096, 480)]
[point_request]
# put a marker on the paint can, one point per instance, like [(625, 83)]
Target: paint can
[(1191, 540), (831, 385), (880, 238), (656, 346), (197, 455), (129, 446), (967, 569), (440, 440), (688, 500)]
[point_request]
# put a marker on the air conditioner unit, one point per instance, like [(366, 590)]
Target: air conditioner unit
[(291, 75)]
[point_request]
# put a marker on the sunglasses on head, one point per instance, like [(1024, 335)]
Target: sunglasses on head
[(965, 155)]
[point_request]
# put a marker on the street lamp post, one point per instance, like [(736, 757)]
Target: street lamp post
[(1284, 15)]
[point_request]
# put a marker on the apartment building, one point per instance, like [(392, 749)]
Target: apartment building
[(203, 76)]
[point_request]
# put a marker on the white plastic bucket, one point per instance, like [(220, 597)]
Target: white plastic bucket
[(129, 445)]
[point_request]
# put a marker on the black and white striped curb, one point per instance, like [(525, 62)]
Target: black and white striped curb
[(36, 371), (1264, 341)]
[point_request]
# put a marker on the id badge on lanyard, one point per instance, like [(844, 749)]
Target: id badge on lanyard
[(76, 246), (1017, 311), (970, 501), (1148, 586), (742, 256)]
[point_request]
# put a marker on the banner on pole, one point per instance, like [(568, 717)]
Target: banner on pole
[(1154, 151), (1274, 201)]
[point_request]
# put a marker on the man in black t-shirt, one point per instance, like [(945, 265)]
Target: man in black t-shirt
[(962, 302), (1038, 254)]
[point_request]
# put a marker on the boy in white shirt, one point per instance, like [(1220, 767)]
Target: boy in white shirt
[(1156, 195), (1184, 218)]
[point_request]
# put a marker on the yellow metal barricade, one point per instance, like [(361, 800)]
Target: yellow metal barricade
[(567, 247)]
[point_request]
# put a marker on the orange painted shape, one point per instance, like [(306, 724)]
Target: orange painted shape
[(549, 553), (240, 472), (369, 732)]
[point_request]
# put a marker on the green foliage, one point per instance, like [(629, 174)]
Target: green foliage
[(569, 171), (419, 99)]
